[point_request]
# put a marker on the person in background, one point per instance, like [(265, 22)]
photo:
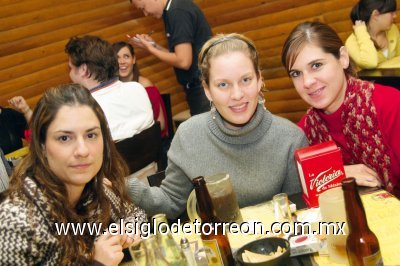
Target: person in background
[(129, 71), (375, 41), (238, 136), (18, 103), (93, 64), (61, 181), (12, 129), (186, 29), (363, 118)]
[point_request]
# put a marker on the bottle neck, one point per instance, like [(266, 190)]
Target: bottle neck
[(206, 208), (161, 223), (356, 218)]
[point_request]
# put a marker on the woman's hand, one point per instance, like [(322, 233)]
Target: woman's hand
[(358, 23), (129, 236), (364, 175), (128, 240), (108, 249)]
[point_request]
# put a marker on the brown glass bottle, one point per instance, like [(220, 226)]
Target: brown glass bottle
[(216, 243), (362, 245)]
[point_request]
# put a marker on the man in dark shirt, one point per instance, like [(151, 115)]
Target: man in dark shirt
[(186, 30), (12, 128)]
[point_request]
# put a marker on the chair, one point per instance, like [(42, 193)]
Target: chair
[(5, 171), (181, 117), (156, 179), (142, 149)]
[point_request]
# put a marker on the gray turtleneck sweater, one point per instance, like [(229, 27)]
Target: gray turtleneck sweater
[(259, 158)]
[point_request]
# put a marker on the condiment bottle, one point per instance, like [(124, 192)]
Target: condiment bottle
[(185, 247), (216, 243), (362, 245)]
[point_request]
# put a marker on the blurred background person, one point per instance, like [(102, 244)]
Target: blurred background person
[(12, 129), (238, 136), (61, 180), (93, 64), (362, 117), (375, 41), (186, 29), (129, 71)]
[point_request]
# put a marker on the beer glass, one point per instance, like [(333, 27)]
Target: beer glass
[(331, 204), (148, 253), (282, 212), (223, 198), (282, 208)]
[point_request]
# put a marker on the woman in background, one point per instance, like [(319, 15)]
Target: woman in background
[(363, 118), (60, 181), (376, 39), (238, 136), (129, 71)]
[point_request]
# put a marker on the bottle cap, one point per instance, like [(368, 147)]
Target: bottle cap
[(184, 242)]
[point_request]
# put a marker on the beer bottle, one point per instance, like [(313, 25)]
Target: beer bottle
[(215, 242), (362, 246), (168, 247)]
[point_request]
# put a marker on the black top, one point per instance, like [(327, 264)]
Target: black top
[(12, 127), (186, 23)]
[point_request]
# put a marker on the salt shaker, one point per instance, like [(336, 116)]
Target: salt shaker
[(185, 247)]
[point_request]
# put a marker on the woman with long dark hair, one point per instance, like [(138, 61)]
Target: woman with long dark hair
[(60, 183)]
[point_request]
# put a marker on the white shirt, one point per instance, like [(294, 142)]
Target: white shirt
[(127, 108)]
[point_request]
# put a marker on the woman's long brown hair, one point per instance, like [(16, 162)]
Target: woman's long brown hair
[(77, 250)]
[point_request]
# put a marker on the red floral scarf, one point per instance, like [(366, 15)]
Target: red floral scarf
[(361, 129)]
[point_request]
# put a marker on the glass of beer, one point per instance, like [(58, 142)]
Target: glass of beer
[(223, 198), (331, 204)]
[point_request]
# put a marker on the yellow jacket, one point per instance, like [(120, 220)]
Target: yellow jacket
[(364, 53)]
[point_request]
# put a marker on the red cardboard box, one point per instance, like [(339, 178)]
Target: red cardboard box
[(320, 168)]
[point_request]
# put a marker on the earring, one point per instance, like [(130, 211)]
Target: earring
[(261, 99), (263, 87), (213, 110)]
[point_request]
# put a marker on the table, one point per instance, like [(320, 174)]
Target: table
[(388, 76), (381, 209)]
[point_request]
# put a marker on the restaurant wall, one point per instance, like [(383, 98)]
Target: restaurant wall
[(33, 34)]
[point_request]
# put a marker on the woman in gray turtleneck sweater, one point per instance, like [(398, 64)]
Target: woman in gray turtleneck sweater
[(238, 136)]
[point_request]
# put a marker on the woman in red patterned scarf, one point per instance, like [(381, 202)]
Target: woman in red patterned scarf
[(363, 118)]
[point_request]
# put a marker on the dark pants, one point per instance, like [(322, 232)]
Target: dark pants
[(196, 98)]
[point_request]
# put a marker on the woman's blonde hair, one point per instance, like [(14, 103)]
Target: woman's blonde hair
[(222, 44)]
